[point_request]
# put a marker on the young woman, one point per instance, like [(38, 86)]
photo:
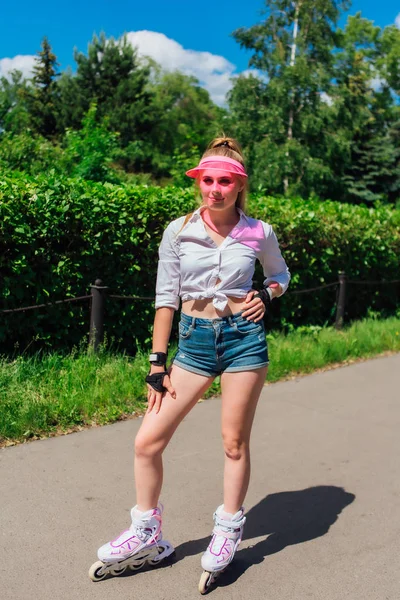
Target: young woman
[(207, 260)]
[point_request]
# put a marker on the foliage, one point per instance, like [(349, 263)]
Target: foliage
[(32, 154), (306, 349), (90, 151), (317, 118), (187, 120), (58, 235), (181, 164), (41, 96), (366, 112), (14, 116), (318, 241), (373, 174), (46, 394), (111, 76), (293, 50), (87, 153)]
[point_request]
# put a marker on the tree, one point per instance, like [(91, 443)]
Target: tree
[(90, 151), (365, 110), (248, 119), (388, 60), (14, 116), (185, 120), (71, 106), (41, 97), (112, 76), (292, 48)]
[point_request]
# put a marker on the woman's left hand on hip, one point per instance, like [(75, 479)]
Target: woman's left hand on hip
[(255, 309)]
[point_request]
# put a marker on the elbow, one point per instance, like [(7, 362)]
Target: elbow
[(281, 279), (169, 303)]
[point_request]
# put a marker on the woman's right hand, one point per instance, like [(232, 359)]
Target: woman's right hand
[(154, 398)]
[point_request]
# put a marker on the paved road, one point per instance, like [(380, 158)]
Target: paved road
[(323, 517)]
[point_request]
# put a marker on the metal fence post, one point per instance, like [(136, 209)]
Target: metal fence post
[(96, 336), (341, 300)]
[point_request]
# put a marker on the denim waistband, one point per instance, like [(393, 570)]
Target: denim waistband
[(228, 320)]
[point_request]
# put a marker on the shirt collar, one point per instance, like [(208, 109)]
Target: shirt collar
[(196, 215)]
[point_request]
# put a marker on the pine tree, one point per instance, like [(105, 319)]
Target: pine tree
[(374, 174), (112, 76), (42, 97)]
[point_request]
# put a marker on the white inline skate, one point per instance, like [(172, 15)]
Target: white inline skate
[(226, 537), (139, 545)]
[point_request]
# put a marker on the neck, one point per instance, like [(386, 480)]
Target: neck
[(221, 218)]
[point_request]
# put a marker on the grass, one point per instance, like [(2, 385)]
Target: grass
[(52, 394), (48, 395)]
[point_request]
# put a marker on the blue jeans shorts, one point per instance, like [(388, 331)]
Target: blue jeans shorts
[(228, 344)]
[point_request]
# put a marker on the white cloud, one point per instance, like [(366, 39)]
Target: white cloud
[(397, 21), (213, 72), (22, 62)]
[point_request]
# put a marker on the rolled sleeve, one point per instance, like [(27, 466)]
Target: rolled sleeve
[(274, 266), (168, 273)]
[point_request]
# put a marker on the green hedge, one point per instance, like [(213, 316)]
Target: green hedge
[(58, 235), (319, 239)]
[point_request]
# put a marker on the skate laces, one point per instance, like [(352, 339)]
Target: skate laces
[(141, 526), (142, 533)]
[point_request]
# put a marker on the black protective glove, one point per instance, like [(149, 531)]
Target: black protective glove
[(156, 381), (265, 297)]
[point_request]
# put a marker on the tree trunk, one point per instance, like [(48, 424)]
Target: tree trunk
[(291, 109)]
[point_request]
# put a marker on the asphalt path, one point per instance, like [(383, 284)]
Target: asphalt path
[(323, 508)]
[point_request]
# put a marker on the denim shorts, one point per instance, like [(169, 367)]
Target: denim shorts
[(214, 346)]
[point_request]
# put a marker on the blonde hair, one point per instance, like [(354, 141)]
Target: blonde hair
[(226, 146)]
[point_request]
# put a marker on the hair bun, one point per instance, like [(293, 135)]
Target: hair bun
[(225, 146), (224, 143)]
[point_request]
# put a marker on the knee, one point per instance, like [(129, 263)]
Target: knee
[(145, 447), (235, 449)]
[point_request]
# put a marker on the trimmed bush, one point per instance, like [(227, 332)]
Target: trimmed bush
[(58, 235), (319, 239)]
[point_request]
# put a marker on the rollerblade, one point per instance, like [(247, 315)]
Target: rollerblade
[(226, 537), (139, 545)]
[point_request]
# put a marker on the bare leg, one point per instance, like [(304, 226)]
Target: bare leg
[(157, 430), (240, 394)]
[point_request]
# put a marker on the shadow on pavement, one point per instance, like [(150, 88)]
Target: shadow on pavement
[(285, 518)]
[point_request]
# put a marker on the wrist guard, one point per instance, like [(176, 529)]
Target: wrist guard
[(156, 381), (265, 297), (158, 358)]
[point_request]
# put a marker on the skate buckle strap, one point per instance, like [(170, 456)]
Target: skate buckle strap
[(229, 529), (231, 534), (229, 524)]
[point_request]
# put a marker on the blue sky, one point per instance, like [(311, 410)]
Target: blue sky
[(166, 29)]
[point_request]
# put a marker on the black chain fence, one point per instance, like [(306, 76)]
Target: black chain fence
[(99, 296)]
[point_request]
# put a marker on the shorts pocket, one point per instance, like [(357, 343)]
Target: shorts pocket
[(185, 330), (245, 327)]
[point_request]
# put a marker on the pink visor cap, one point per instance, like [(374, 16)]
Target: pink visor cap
[(218, 163)]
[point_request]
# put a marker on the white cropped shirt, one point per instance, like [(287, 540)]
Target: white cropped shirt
[(191, 263)]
